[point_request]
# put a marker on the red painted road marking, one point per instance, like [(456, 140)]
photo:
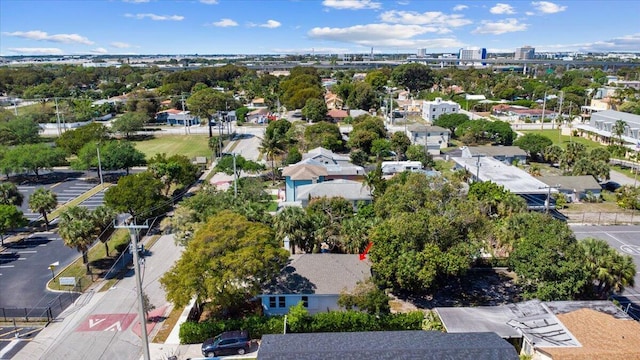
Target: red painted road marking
[(154, 317), (106, 322)]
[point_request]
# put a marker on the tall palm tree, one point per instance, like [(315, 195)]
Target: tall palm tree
[(610, 270), (293, 222), (10, 195), (103, 217), (43, 201), (619, 129), (78, 230), (271, 146)]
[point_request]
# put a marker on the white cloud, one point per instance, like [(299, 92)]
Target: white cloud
[(402, 2), (225, 23), (432, 18), (351, 4), (99, 51), (120, 45), (501, 8), (271, 24), (383, 35), (529, 13), (500, 27), (318, 50), (460, 7), (43, 36), (36, 51), (547, 7), (209, 2), (136, 1), (626, 43), (155, 17)]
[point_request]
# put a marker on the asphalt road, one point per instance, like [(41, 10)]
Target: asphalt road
[(104, 325), (625, 239), (10, 345), (24, 273)]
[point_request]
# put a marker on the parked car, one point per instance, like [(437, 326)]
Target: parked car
[(610, 186), (227, 343)]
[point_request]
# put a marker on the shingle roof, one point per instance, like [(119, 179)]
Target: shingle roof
[(602, 337), (497, 150), (320, 274), (348, 189), (304, 171), (396, 345), (425, 128)]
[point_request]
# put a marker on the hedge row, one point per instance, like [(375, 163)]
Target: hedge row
[(333, 321)]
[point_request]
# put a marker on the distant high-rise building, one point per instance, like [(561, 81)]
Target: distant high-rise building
[(422, 52), (472, 54), (525, 53)]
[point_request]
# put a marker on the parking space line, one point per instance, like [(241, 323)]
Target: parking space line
[(54, 185), (6, 266), (27, 252)]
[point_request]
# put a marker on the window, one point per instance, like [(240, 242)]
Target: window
[(305, 301), (281, 301), (272, 301)]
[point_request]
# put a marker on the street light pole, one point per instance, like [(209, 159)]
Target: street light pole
[(100, 167), (235, 177)]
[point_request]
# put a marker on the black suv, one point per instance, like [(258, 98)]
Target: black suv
[(227, 343)]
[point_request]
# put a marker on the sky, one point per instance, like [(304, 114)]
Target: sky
[(210, 27)]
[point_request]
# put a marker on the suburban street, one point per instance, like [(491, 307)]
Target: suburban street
[(625, 239), (104, 325)]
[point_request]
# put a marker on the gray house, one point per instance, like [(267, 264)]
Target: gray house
[(507, 154), (396, 345), (433, 138), (352, 191), (575, 188), (316, 280)]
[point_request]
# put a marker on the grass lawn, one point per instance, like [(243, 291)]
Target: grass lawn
[(187, 145), (97, 255), (562, 140)]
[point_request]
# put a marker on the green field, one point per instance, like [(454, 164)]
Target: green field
[(554, 135), (188, 145)]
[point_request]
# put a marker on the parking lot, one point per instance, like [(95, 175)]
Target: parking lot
[(625, 239), (10, 344)]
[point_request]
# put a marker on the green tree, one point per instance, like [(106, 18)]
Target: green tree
[(366, 129), (239, 256), (73, 140), (226, 165), (553, 153), (619, 129), (35, 157), (293, 222), (241, 113), (380, 148), (121, 155), (175, 170), (609, 270), (362, 96), (451, 121), (78, 230), (10, 218), (420, 153), (293, 156), (18, 131), (628, 197), (129, 123), (103, 218), (271, 146), (366, 296), (413, 76), (399, 144), (495, 200), (323, 134), (138, 194), (377, 79), (533, 144), (315, 110), (10, 195), (208, 101), (43, 201)]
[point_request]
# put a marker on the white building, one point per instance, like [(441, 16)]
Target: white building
[(524, 53), (467, 56), (432, 110)]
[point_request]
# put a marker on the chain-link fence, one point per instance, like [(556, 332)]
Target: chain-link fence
[(603, 218), (40, 314)]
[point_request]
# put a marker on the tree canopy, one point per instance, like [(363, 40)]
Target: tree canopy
[(413, 76), (137, 194)]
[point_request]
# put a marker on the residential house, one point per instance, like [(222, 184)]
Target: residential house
[(601, 125), (301, 174), (333, 101), (354, 192), (357, 112), (257, 103), (326, 157), (433, 138), (485, 168), (522, 113), (431, 110), (337, 115), (316, 280), (258, 116), (404, 95), (397, 345), (575, 188), (507, 154), (394, 167), (558, 330), (177, 117)]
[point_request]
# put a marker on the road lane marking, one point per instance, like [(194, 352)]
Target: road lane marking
[(6, 266)]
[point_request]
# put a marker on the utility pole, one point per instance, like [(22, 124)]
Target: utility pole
[(559, 111), (133, 232), (235, 177), (100, 167), (57, 115), (544, 105), (477, 166), (184, 115)]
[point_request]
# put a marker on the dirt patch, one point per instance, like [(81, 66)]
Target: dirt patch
[(480, 287)]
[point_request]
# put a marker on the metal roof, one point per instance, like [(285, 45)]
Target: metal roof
[(348, 189), (397, 345)]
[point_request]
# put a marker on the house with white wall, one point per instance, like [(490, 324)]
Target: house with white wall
[(431, 110), (316, 280), (433, 138)]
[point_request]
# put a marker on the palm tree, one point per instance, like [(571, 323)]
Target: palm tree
[(43, 201), (609, 270), (294, 223), (10, 195), (270, 146), (103, 217), (618, 130), (77, 229)]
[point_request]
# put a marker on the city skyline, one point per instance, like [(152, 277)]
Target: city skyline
[(141, 27)]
